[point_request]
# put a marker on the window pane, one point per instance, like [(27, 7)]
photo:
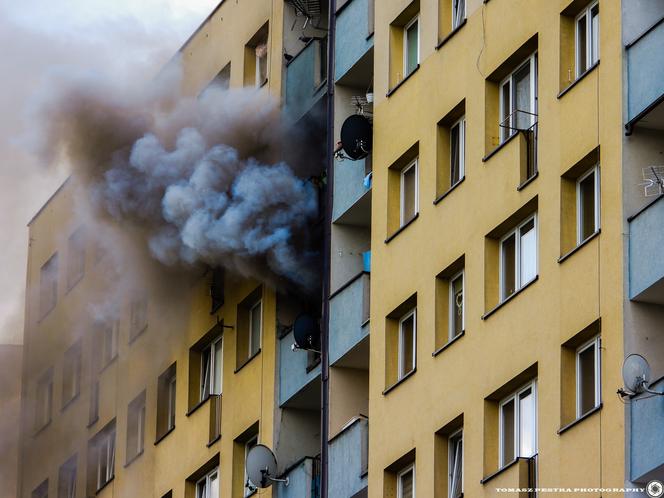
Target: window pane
[(255, 328), (587, 207), (214, 486), (201, 491), (459, 12), (457, 306), (507, 432), (409, 180), (218, 366), (509, 265), (522, 97), (171, 403), (527, 423), (407, 484), (455, 173), (456, 472), (581, 45), (594, 34), (586, 380), (506, 108), (205, 373), (407, 344), (528, 250), (412, 35)]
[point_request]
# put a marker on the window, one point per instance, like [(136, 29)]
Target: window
[(587, 204), (255, 325), (94, 402), (518, 257), (588, 393), (75, 258), (458, 12), (44, 400), (138, 317), (48, 286), (248, 490), (406, 482), (217, 289), (518, 99), (41, 491), (136, 427), (411, 46), (409, 193), (212, 362), (71, 374), (457, 151), (249, 327), (455, 464), (587, 38), (407, 343), (261, 64), (67, 479), (456, 309), (103, 447), (166, 395), (107, 343), (518, 425), (208, 486)]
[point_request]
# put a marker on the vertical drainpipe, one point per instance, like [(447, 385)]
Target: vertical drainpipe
[(327, 240)]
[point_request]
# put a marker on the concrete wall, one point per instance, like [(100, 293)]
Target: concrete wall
[(10, 406)]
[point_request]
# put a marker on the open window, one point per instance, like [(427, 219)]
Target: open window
[(166, 401), (101, 459), (208, 485), (106, 342), (48, 285), (249, 327), (518, 257), (407, 343), (44, 400), (518, 99), (136, 427), (75, 258), (138, 317), (448, 460), (206, 366), (586, 37), (256, 57), (518, 425), (67, 478), (212, 363), (71, 374)]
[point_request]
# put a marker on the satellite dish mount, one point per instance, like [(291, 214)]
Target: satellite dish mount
[(636, 376), (261, 465)]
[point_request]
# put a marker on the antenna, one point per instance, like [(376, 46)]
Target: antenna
[(636, 375), (261, 465), (653, 180), (306, 333)]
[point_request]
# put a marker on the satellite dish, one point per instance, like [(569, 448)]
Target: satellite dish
[(636, 373), (261, 465), (356, 137), (306, 332)]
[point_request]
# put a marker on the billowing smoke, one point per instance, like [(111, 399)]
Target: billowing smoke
[(202, 177)]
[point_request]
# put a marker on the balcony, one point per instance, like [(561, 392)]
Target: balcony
[(646, 265), (348, 453), (303, 480), (354, 38), (305, 79), (349, 319), (352, 193), (299, 376), (645, 79), (646, 447), (521, 473)]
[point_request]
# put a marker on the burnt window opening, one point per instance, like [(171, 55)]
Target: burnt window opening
[(217, 289)]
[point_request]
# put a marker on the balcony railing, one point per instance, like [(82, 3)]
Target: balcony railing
[(296, 370), (305, 78), (349, 316), (646, 265), (646, 442), (303, 479), (349, 459), (354, 26), (215, 418)]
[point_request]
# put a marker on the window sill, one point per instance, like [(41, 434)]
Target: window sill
[(398, 85), (217, 438), (451, 34), (586, 415), (448, 191), (527, 182), (108, 365), (92, 422), (70, 402), (247, 361), (509, 299), (582, 244), (400, 381), (500, 146), (500, 470), (42, 428), (136, 335), (402, 228), (99, 490), (133, 459), (581, 76), (197, 405), (163, 436), (448, 344)]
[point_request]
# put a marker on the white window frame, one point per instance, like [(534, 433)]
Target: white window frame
[(250, 350), (506, 133), (406, 316), (248, 491), (211, 347), (518, 285), (408, 25), (107, 444), (452, 304), (451, 450), (517, 418), (579, 218), (595, 341), (408, 167), (590, 38), (400, 474), (457, 19), (207, 479), (461, 123)]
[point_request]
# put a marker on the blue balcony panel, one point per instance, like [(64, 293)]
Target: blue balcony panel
[(646, 261), (303, 480), (646, 449), (348, 452), (305, 81), (352, 193), (349, 323), (354, 35), (299, 381), (645, 78)]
